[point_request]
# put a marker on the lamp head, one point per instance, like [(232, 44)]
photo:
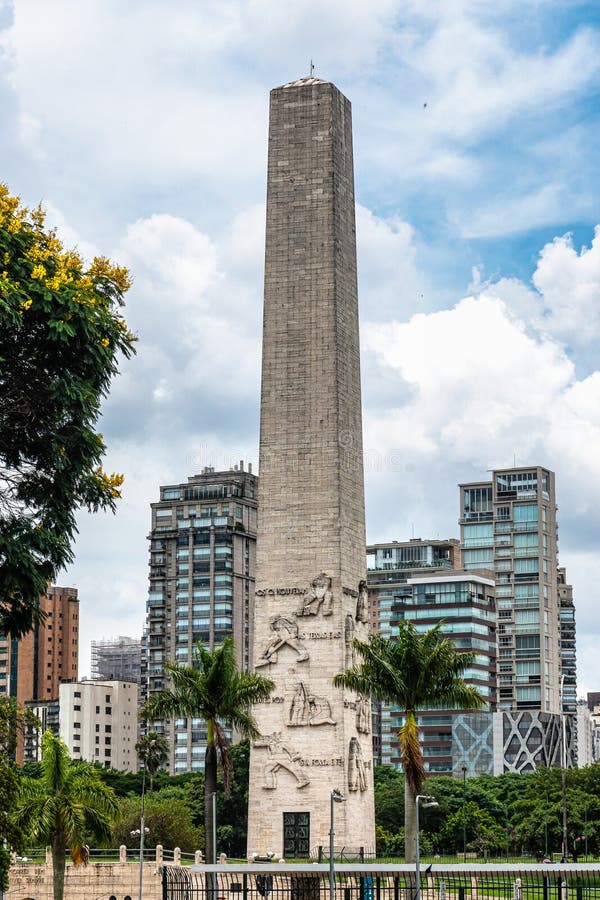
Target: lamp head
[(427, 801), (337, 795)]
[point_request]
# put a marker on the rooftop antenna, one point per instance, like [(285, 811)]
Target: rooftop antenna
[(312, 68)]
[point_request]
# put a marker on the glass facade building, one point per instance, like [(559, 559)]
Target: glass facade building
[(508, 525)]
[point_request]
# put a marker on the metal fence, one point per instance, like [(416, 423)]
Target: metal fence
[(381, 882)]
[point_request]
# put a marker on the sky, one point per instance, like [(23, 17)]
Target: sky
[(142, 127)]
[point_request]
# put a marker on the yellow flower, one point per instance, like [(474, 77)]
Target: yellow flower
[(105, 342), (25, 304), (38, 271)]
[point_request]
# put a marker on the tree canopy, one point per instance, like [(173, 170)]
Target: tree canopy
[(66, 808), (61, 337)]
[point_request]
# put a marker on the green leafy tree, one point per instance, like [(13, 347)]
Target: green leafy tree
[(66, 808), (484, 833), (61, 335), (215, 690), (14, 720), (412, 671), (153, 751), (168, 820)]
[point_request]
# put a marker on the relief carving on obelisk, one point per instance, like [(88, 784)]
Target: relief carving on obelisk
[(319, 598), (285, 633), (363, 714), (308, 709), (357, 771), (280, 756), (362, 603)]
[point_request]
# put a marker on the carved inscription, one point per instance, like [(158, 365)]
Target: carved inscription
[(280, 756), (320, 635), (333, 761), (281, 592)]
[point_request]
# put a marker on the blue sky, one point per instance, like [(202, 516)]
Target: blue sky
[(142, 127)]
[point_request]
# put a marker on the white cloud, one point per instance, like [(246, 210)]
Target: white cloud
[(570, 285)]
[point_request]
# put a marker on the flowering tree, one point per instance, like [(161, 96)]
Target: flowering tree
[(61, 335)]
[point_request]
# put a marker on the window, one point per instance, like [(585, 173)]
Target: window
[(107, 741), (77, 708), (97, 728), (76, 724), (97, 740), (107, 698), (107, 752), (525, 512), (108, 729), (77, 693), (108, 710), (478, 535), (97, 710)]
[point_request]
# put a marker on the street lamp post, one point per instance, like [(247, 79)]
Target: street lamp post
[(336, 797), (426, 802), (565, 844), (464, 819), (143, 829), (214, 827)]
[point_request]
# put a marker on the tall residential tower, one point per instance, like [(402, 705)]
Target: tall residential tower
[(508, 524), (202, 557)]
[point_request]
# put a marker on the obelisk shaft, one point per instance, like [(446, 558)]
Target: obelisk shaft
[(311, 537)]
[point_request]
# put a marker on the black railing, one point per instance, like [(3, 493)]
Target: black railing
[(311, 882)]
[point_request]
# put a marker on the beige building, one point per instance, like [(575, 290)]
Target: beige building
[(98, 722)]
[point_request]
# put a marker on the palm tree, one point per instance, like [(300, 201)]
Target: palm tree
[(64, 808), (215, 690), (153, 750), (412, 671)]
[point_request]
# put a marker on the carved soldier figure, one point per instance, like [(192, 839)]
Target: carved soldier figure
[(357, 773), (285, 631), (363, 714), (362, 604), (318, 598), (349, 651), (281, 756), (308, 709)]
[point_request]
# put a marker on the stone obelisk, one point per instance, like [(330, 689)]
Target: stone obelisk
[(311, 598)]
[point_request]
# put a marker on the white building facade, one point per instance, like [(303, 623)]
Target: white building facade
[(98, 722)]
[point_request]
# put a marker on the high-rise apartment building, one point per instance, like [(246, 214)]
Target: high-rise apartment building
[(567, 643), (98, 722), (117, 659), (33, 667), (508, 525), (464, 604), (49, 654), (389, 567), (202, 564)]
